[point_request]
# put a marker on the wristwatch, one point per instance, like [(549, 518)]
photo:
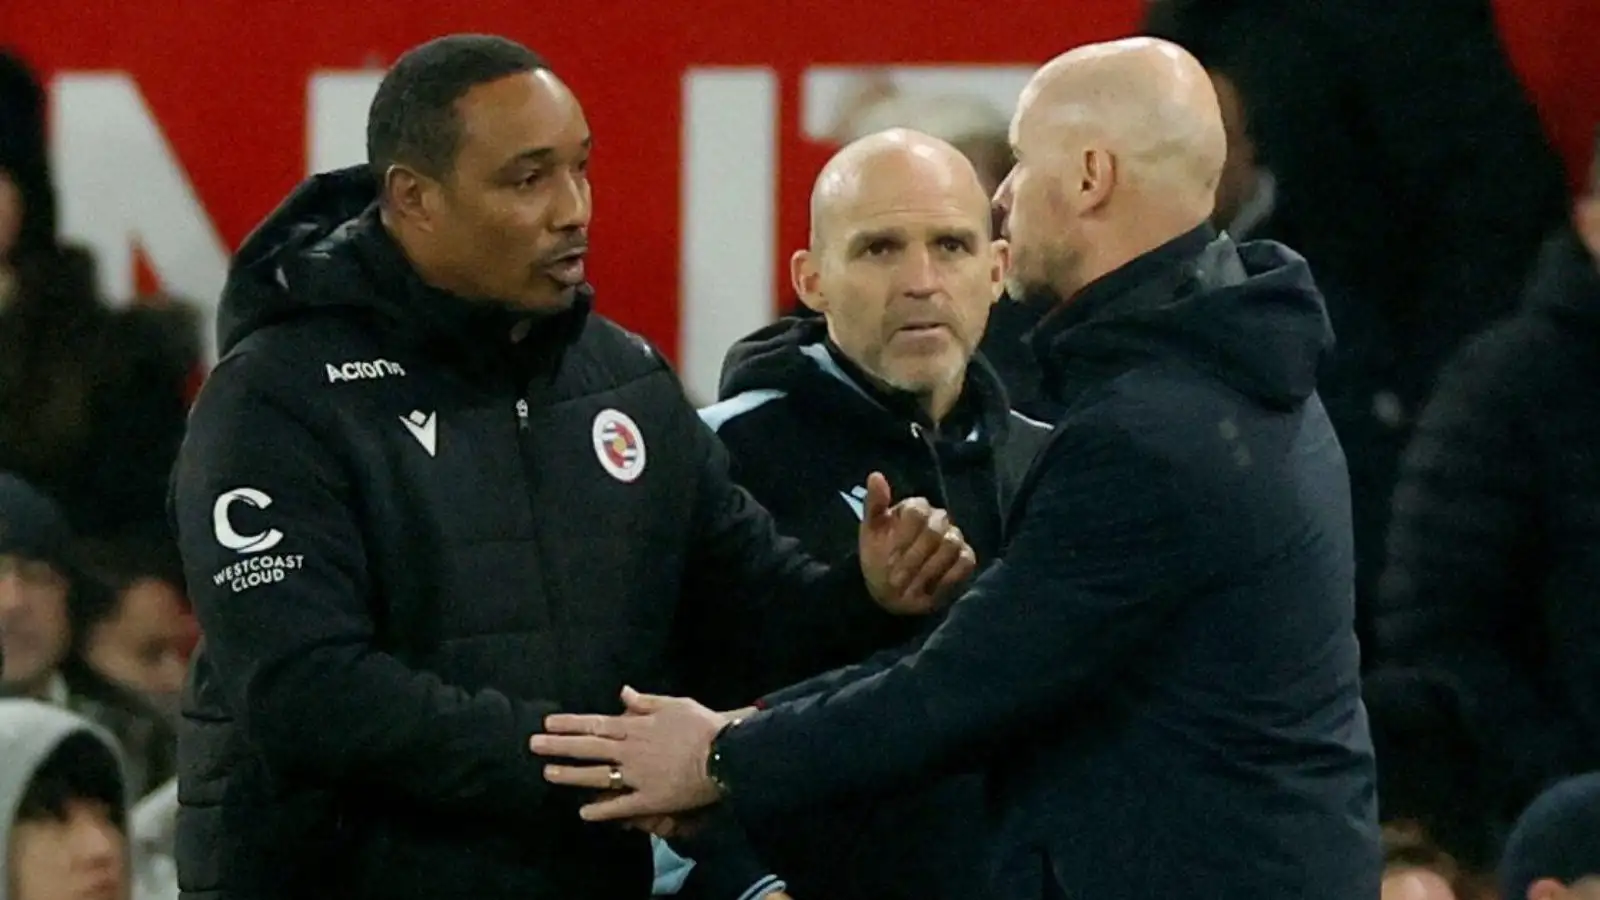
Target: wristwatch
[(715, 768)]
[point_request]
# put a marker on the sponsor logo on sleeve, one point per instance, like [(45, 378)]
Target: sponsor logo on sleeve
[(258, 567), (222, 522)]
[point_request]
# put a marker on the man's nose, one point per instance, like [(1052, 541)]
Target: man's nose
[(573, 207), (96, 841), (919, 274)]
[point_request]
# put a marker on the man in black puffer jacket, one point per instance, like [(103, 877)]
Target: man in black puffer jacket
[(428, 498)]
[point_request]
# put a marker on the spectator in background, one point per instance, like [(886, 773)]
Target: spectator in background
[(63, 807), (1248, 192), (1554, 851), (1412, 173), (92, 401), (1494, 557), (1414, 868), (979, 130), (45, 599), (141, 639)]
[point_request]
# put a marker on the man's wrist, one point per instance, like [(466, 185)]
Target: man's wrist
[(715, 765)]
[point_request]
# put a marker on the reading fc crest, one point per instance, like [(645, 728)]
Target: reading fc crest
[(619, 445)]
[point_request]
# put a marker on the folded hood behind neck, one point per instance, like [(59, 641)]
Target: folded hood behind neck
[(1248, 314), (793, 355), (325, 247), (29, 732)]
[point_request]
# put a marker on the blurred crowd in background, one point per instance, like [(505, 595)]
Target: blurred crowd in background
[(1415, 175)]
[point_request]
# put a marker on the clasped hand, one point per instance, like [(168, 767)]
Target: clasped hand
[(912, 555), (658, 748), (650, 762)]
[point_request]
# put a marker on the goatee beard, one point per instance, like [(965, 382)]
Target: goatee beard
[(1039, 297)]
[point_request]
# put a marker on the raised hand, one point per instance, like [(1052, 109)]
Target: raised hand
[(912, 555)]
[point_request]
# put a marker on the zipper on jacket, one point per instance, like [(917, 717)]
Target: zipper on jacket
[(562, 662), (920, 435)]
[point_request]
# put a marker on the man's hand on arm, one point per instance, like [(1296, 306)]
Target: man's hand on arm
[(658, 754), (1104, 553)]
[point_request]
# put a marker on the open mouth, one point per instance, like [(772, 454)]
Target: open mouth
[(568, 267)]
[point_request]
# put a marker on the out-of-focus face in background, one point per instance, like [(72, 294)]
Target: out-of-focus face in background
[(903, 264), (1587, 220), (509, 221), (1239, 169), (141, 644), (78, 854), (10, 214), (1416, 884), (35, 628)]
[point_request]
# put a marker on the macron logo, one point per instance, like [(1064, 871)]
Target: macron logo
[(423, 427), (856, 499), (361, 371)]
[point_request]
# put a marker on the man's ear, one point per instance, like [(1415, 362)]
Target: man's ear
[(1101, 169), (1000, 266), (806, 279), (410, 196)]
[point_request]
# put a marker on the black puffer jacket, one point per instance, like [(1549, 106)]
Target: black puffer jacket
[(410, 538), (1494, 558)]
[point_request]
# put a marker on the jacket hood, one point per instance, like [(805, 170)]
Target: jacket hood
[(1566, 281), (282, 267), (325, 247), (29, 732), (793, 355), (1250, 315)]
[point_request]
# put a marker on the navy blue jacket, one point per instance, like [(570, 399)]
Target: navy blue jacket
[(1161, 673)]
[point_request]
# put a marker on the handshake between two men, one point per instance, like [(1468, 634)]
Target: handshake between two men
[(653, 761)]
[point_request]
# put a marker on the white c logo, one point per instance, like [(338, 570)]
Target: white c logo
[(233, 540)]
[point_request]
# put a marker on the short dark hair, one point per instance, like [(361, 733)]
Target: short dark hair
[(81, 767), (121, 561), (413, 119)]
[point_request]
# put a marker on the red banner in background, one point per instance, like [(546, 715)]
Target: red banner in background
[(178, 124)]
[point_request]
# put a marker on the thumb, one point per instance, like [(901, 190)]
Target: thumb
[(640, 704), (879, 498)]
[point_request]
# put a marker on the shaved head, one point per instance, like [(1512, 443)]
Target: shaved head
[(1120, 148), (1149, 101), (901, 262), (897, 162)]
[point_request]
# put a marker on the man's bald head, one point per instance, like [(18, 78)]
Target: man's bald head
[(1146, 100), (1119, 148), (874, 171), (902, 263)]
